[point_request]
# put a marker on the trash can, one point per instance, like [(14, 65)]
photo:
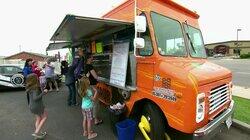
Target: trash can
[(126, 129), (116, 116)]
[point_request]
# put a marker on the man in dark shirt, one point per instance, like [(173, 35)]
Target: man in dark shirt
[(78, 64)]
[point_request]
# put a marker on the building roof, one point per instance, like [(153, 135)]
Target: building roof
[(231, 41), (30, 53)]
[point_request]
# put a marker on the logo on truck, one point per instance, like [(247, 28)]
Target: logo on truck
[(164, 93)]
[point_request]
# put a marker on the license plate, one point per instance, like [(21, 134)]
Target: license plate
[(229, 122)]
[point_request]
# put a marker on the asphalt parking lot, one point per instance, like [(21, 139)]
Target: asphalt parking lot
[(64, 123), (239, 67)]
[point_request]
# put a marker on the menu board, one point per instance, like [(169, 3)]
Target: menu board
[(119, 64)]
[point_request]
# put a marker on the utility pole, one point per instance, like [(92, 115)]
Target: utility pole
[(20, 48), (238, 49)]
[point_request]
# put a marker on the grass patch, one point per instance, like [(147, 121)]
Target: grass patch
[(242, 109)]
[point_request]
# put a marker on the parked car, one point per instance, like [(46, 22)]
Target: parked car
[(11, 76), (218, 55)]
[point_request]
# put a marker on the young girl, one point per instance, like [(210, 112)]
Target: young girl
[(36, 104), (87, 106)]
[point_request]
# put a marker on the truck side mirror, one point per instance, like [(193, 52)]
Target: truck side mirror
[(139, 43), (140, 24)]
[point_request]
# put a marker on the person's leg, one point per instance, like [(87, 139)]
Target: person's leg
[(96, 112), (96, 109), (55, 83), (38, 119), (43, 120), (91, 134), (70, 95), (84, 124), (50, 85), (73, 99)]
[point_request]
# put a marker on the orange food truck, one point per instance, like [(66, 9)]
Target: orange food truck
[(150, 55)]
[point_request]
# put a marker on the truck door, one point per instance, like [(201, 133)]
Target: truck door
[(145, 64), (171, 49)]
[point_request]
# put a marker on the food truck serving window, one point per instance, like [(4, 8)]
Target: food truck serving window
[(169, 36)]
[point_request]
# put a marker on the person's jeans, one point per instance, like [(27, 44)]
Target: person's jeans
[(72, 94)]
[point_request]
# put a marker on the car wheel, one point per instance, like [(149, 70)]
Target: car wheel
[(17, 80)]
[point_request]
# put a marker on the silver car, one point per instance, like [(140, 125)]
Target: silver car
[(11, 76)]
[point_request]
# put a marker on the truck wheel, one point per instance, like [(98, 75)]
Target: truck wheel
[(152, 123)]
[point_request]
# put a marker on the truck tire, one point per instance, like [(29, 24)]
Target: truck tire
[(156, 121)]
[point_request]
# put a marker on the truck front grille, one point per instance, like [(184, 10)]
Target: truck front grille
[(219, 96)]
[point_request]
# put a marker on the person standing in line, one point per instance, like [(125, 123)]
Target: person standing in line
[(92, 75), (50, 75), (36, 104), (70, 83), (64, 69), (88, 97), (36, 69), (27, 67), (26, 71), (78, 64)]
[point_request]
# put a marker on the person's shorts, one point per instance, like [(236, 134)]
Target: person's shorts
[(88, 113), (50, 79)]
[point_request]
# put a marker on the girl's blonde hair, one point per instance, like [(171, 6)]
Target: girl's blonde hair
[(32, 82), (84, 84)]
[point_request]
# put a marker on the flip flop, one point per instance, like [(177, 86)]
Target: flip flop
[(92, 135)]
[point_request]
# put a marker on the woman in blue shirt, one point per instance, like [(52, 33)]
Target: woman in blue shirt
[(27, 67), (26, 71)]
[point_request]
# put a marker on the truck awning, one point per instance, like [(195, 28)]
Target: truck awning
[(76, 28), (58, 46)]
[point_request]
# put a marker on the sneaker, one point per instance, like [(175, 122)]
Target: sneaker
[(37, 136), (44, 133)]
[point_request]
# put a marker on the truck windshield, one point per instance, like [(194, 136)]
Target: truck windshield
[(195, 42), (169, 35)]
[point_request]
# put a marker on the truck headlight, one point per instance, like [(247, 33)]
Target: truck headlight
[(200, 107)]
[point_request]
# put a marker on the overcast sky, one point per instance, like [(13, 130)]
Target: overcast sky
[(29, 24)]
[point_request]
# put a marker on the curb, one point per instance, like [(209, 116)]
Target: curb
[(241, 125)]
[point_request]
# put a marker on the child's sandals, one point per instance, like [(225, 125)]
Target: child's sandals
[(85, 133), (92, 135)]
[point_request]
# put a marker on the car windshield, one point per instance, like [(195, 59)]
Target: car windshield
[(169, 36), (195, 42)]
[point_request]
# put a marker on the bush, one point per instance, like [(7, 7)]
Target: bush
[(243, 56)]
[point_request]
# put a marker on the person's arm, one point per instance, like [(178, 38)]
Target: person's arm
[(25, 72), (36, 96), (75, 63), (94, 74), (49, 65), (94, 98)]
